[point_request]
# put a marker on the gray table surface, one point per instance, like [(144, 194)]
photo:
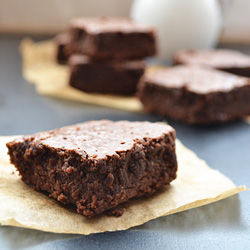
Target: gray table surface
[(222, 225)]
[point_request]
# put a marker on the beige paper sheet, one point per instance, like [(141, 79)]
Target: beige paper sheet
[(247, 119), (50, 78), (196, 185)]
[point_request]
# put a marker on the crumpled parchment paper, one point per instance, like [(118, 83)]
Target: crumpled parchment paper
[(196, 185)]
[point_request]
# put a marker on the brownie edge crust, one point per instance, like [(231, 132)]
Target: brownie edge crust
[(99, 164)]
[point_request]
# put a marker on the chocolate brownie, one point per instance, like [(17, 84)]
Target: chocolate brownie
[(195, 95), (63, 48), (114, 77), (230, 61), (112, 38), (97, 165)]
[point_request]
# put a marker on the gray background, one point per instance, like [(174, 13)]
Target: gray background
[(222, 225)]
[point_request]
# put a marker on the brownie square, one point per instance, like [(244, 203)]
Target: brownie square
[(195, 95), (112, 38), (63, 51), (113, 77), (97, 165), (230, 61)]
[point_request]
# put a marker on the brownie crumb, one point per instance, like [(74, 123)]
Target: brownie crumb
[(117, 212)]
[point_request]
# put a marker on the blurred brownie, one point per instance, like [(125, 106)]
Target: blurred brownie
[(112, 77), (63, 48), (112, 38), (97, 165), (195, 95), (230, 61)]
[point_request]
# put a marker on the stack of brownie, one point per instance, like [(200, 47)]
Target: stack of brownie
[(106, 55)]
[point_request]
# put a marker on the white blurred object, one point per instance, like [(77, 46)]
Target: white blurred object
[(51, 16), (180, 24), (236, 21)]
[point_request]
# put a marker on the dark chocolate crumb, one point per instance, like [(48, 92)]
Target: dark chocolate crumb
[(117, 212)]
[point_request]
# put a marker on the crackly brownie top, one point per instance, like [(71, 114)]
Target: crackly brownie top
[(108, 24), (219, 58), (97, 139), (196, 79)]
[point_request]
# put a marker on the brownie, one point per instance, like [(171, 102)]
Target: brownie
[(230, 61), (112, 77), (97, 165), (63, 48), (112, 38), (195, 95)]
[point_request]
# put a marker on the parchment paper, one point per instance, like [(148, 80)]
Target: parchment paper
[(196, 185)]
